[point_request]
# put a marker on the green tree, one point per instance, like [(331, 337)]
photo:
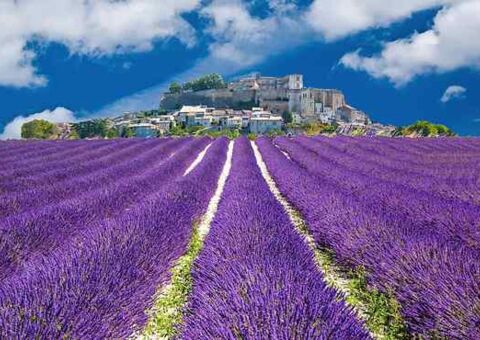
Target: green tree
[(426, 129), (128, 132), (112, 133), (175, 87), (287, 117), (316, 128), (207, 82), (187, 86), (39, 128), (92, 128), (74, 134), (442, 130), (177, 131)]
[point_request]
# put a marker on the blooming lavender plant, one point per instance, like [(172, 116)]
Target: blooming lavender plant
[(255, 277), (425, 257), (100, 281)]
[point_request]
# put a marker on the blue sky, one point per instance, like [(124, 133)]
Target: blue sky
[(395, 62)]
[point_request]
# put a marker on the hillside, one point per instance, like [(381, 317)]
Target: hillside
[(424, 129)]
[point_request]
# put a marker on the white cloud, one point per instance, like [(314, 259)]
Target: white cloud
[(102, 27), (335, 19), (243, 40), (240, 41), (107, 27), (282, 6), (453, 92), (59, 115), (451, 43)]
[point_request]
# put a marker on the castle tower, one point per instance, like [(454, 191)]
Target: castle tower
[(295, 82)]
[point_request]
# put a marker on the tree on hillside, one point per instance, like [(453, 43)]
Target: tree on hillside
[(74, 135), (287, 117), (425, 129), (442, 130), (207, 82), (39, 129), (128, 132), (112, 133), (175, 87), (316, 128), (92, 128)]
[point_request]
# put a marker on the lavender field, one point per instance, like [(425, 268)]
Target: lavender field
[(199, 238)]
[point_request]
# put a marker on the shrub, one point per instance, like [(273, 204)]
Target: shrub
[(39, 129)]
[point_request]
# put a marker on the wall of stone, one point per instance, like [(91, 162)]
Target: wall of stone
[(275, 106), (223, 98), (272, 94)]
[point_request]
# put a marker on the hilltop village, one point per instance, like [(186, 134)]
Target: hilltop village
[(255, 105), (252, 105)]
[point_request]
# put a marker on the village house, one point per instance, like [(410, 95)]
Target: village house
[(349, 114), (163, 123), (144, 130), (199, 115), (263, 122)]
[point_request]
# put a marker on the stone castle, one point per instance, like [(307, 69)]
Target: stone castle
[(277, 95)]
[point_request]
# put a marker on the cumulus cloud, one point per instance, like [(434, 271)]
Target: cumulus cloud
[(239, 40), (243, 40), (451, 43), (59, 115), (106, 27), (102, 27), (335, 19), (453, 92)]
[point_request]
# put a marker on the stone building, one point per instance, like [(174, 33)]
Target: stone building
[(314, 102), (225, 98), (144, 130), (163, 123), (274, 94), (263, 122), (349, 114)]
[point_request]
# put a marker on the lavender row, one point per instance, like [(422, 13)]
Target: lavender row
[(420, 145), (451, 220), (29, 148), (103, 179), (51, 151), (404, 150), (19, 201), (434, 280), (448, 185), (105, 174), (449, 162), (38, 232), (460, 182), (100, 284), (79, 164), (452, 162), (255, 277), (22, 161), (69, 159)]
